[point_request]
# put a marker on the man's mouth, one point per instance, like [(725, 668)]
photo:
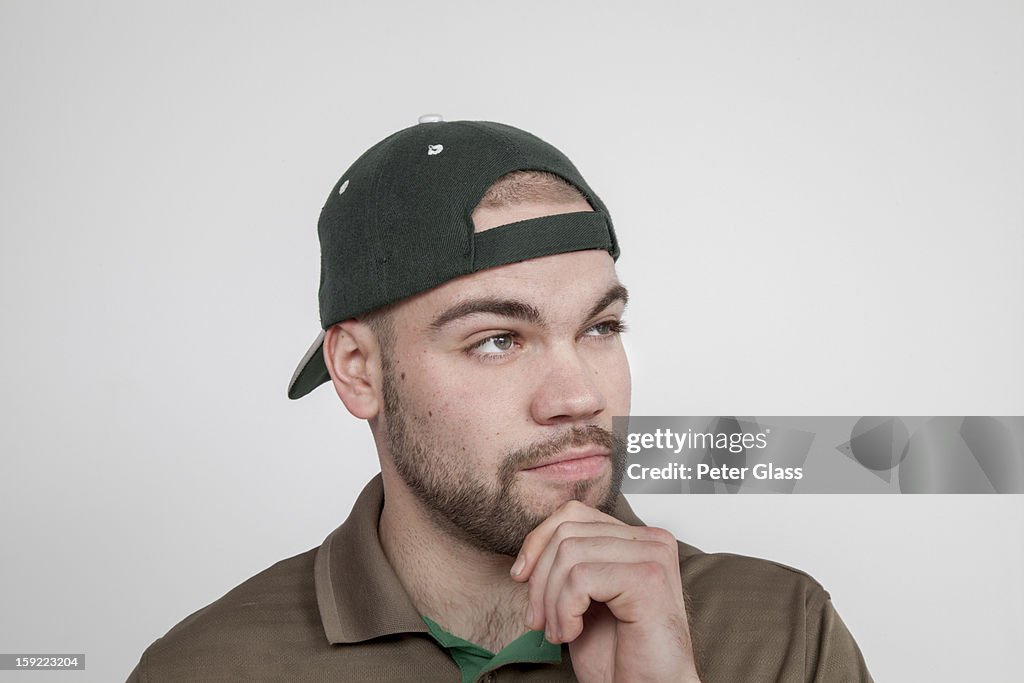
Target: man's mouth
[(574, 463)]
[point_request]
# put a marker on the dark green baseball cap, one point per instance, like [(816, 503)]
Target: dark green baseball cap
[(399, 221)]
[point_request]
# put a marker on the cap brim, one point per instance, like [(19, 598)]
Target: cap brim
[(312, 372)]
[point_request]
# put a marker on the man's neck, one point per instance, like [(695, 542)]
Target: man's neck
[(465, 590)]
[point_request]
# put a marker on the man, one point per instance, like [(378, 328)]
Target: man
[(471, 315)]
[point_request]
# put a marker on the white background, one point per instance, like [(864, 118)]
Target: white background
[(820, 208)]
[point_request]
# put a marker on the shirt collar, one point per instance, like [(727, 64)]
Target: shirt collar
[(359, 595)]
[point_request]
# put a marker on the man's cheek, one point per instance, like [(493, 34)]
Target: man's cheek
[(618, 387)]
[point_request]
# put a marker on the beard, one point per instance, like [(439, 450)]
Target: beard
[(488, 516)]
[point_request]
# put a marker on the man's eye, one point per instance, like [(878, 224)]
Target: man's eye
[(607, 328), (496, 344)]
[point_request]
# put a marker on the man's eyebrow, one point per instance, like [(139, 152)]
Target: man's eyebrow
[(508, 308), (616, 293), (518, 310)]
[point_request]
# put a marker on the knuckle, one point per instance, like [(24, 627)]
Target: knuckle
[(577, 576), (668, 553), (569, 547), (530, 539), (566, 530), (661, 536), (575, 506), (651, 571)]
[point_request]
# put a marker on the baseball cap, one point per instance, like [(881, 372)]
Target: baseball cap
[(399, 221)]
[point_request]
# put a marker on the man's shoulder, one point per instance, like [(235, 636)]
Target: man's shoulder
[(755, 619), (276, 597), (730, 570), (273, 609), (740, 585)]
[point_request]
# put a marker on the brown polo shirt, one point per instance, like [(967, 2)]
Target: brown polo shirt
[(339, 613)]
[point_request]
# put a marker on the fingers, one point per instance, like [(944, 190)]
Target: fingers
[(577, 534), (626, 575), (540, 537), (623, 581), (575, 542)]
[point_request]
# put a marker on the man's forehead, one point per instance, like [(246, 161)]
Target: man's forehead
[(559, 286)]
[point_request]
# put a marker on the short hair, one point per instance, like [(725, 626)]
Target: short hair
[(380, 322), (517, 187)]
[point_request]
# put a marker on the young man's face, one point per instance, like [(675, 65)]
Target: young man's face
[(493, 375)]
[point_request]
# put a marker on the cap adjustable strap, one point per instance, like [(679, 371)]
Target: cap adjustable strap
[(542, 236)]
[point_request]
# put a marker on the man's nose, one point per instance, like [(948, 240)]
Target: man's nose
[(567, 389)]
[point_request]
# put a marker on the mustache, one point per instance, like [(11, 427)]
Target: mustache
[(578, 436)]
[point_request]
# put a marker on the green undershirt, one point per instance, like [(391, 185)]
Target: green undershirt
[(474, 660)]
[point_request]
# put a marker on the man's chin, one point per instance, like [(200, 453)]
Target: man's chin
[(545, 500)]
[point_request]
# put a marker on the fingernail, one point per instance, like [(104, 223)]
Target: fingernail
[(518, 566), (529, 616)]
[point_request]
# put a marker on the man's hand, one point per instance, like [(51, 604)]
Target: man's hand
[(610, 590)]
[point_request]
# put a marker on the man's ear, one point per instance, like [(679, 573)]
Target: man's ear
[(352, 356)]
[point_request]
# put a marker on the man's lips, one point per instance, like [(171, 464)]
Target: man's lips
[(571, 454), (575, 462)]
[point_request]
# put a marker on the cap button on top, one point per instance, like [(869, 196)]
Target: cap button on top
[(431, 118)]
